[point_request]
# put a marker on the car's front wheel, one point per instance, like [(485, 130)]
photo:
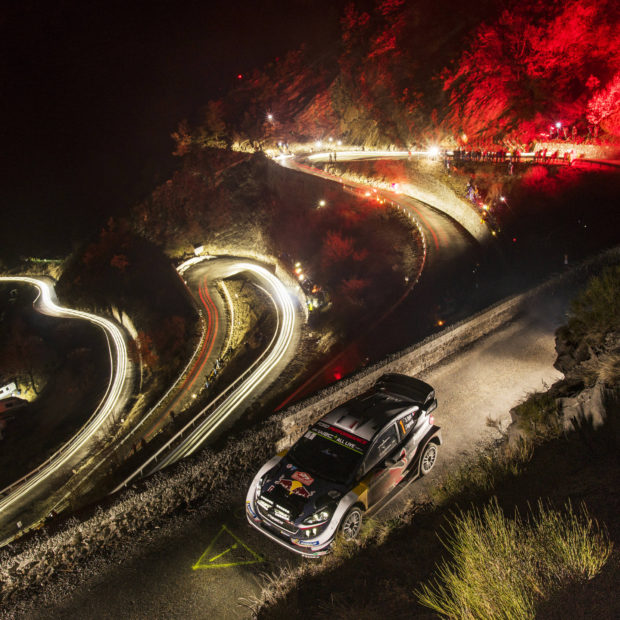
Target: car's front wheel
[(429, 458), (351, 525)]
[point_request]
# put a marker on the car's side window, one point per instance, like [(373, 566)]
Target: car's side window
[(386, 442)]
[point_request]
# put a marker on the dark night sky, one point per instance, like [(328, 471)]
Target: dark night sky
[(92, 91)]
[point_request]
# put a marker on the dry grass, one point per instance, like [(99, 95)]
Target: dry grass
[(603, 369), (596, 311), (538, 416), (503, 568), (482, 474)]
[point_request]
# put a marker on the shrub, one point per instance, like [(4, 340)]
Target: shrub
[(596, 311), (482, 474), (503, 568), (538, 415), (605, 368)]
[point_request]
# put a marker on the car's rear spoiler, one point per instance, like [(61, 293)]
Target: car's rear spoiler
[(408, 388)]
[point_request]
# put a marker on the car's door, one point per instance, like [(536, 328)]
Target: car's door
[(382, 479)]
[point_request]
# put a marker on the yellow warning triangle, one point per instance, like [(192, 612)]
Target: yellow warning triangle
[(226, 551)]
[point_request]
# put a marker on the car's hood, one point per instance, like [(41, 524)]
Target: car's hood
[(299, 492)]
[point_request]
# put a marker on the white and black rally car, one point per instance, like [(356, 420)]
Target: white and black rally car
[(345, 464)]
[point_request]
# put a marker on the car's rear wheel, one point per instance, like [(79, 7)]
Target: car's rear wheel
[(429, 458), (351, 525)]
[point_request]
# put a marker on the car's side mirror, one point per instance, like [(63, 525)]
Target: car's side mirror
[(432, 407), (390, 461)]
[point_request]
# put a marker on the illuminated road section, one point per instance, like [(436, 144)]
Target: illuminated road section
[(245, 388), (113, 400)]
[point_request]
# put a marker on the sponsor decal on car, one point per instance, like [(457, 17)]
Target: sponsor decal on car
[(294, 487), (406, 423), (249, 507), (303, 477), (332, 435), (307, 543), (348, 435)]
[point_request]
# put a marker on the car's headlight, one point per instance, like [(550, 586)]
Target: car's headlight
[(320, 516)]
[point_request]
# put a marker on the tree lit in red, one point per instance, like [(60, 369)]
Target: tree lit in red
[(604, 106), (537, 63), (418, 73)]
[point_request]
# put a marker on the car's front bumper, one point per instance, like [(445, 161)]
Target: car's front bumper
[(311, 548)]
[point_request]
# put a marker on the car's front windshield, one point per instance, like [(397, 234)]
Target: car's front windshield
[(329, 452)]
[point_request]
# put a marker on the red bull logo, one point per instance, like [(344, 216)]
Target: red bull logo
[(294, 487)]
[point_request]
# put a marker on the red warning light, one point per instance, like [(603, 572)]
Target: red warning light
[(239, 76), (514, 239), (337, 376)]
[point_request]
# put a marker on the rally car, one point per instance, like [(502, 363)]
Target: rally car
[(345, 464)]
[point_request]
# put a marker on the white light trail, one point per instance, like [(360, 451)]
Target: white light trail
[(347, 155), (112, 400), (286, 325), (242, 388)]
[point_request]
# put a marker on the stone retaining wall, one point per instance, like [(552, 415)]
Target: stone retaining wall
[(581, 150), (430, 352), (412, 361)]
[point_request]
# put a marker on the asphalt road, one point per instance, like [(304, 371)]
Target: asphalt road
[(157, 579), (450, 258)]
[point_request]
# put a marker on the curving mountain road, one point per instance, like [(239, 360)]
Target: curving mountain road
[(445, 243), (451, 255), (229, 405), (30, 499), (158, 580)]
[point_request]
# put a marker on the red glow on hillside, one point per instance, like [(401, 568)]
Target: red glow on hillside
[(536, 64)]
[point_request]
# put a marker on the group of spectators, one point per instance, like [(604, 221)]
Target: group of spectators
[(543, 156)]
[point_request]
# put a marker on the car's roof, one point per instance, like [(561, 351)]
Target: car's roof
[(364, 415)]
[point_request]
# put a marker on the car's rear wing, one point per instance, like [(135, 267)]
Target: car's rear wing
[(408, 388)]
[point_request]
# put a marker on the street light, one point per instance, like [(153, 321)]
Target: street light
[(322, 203), (270, 117), (503, 199)]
